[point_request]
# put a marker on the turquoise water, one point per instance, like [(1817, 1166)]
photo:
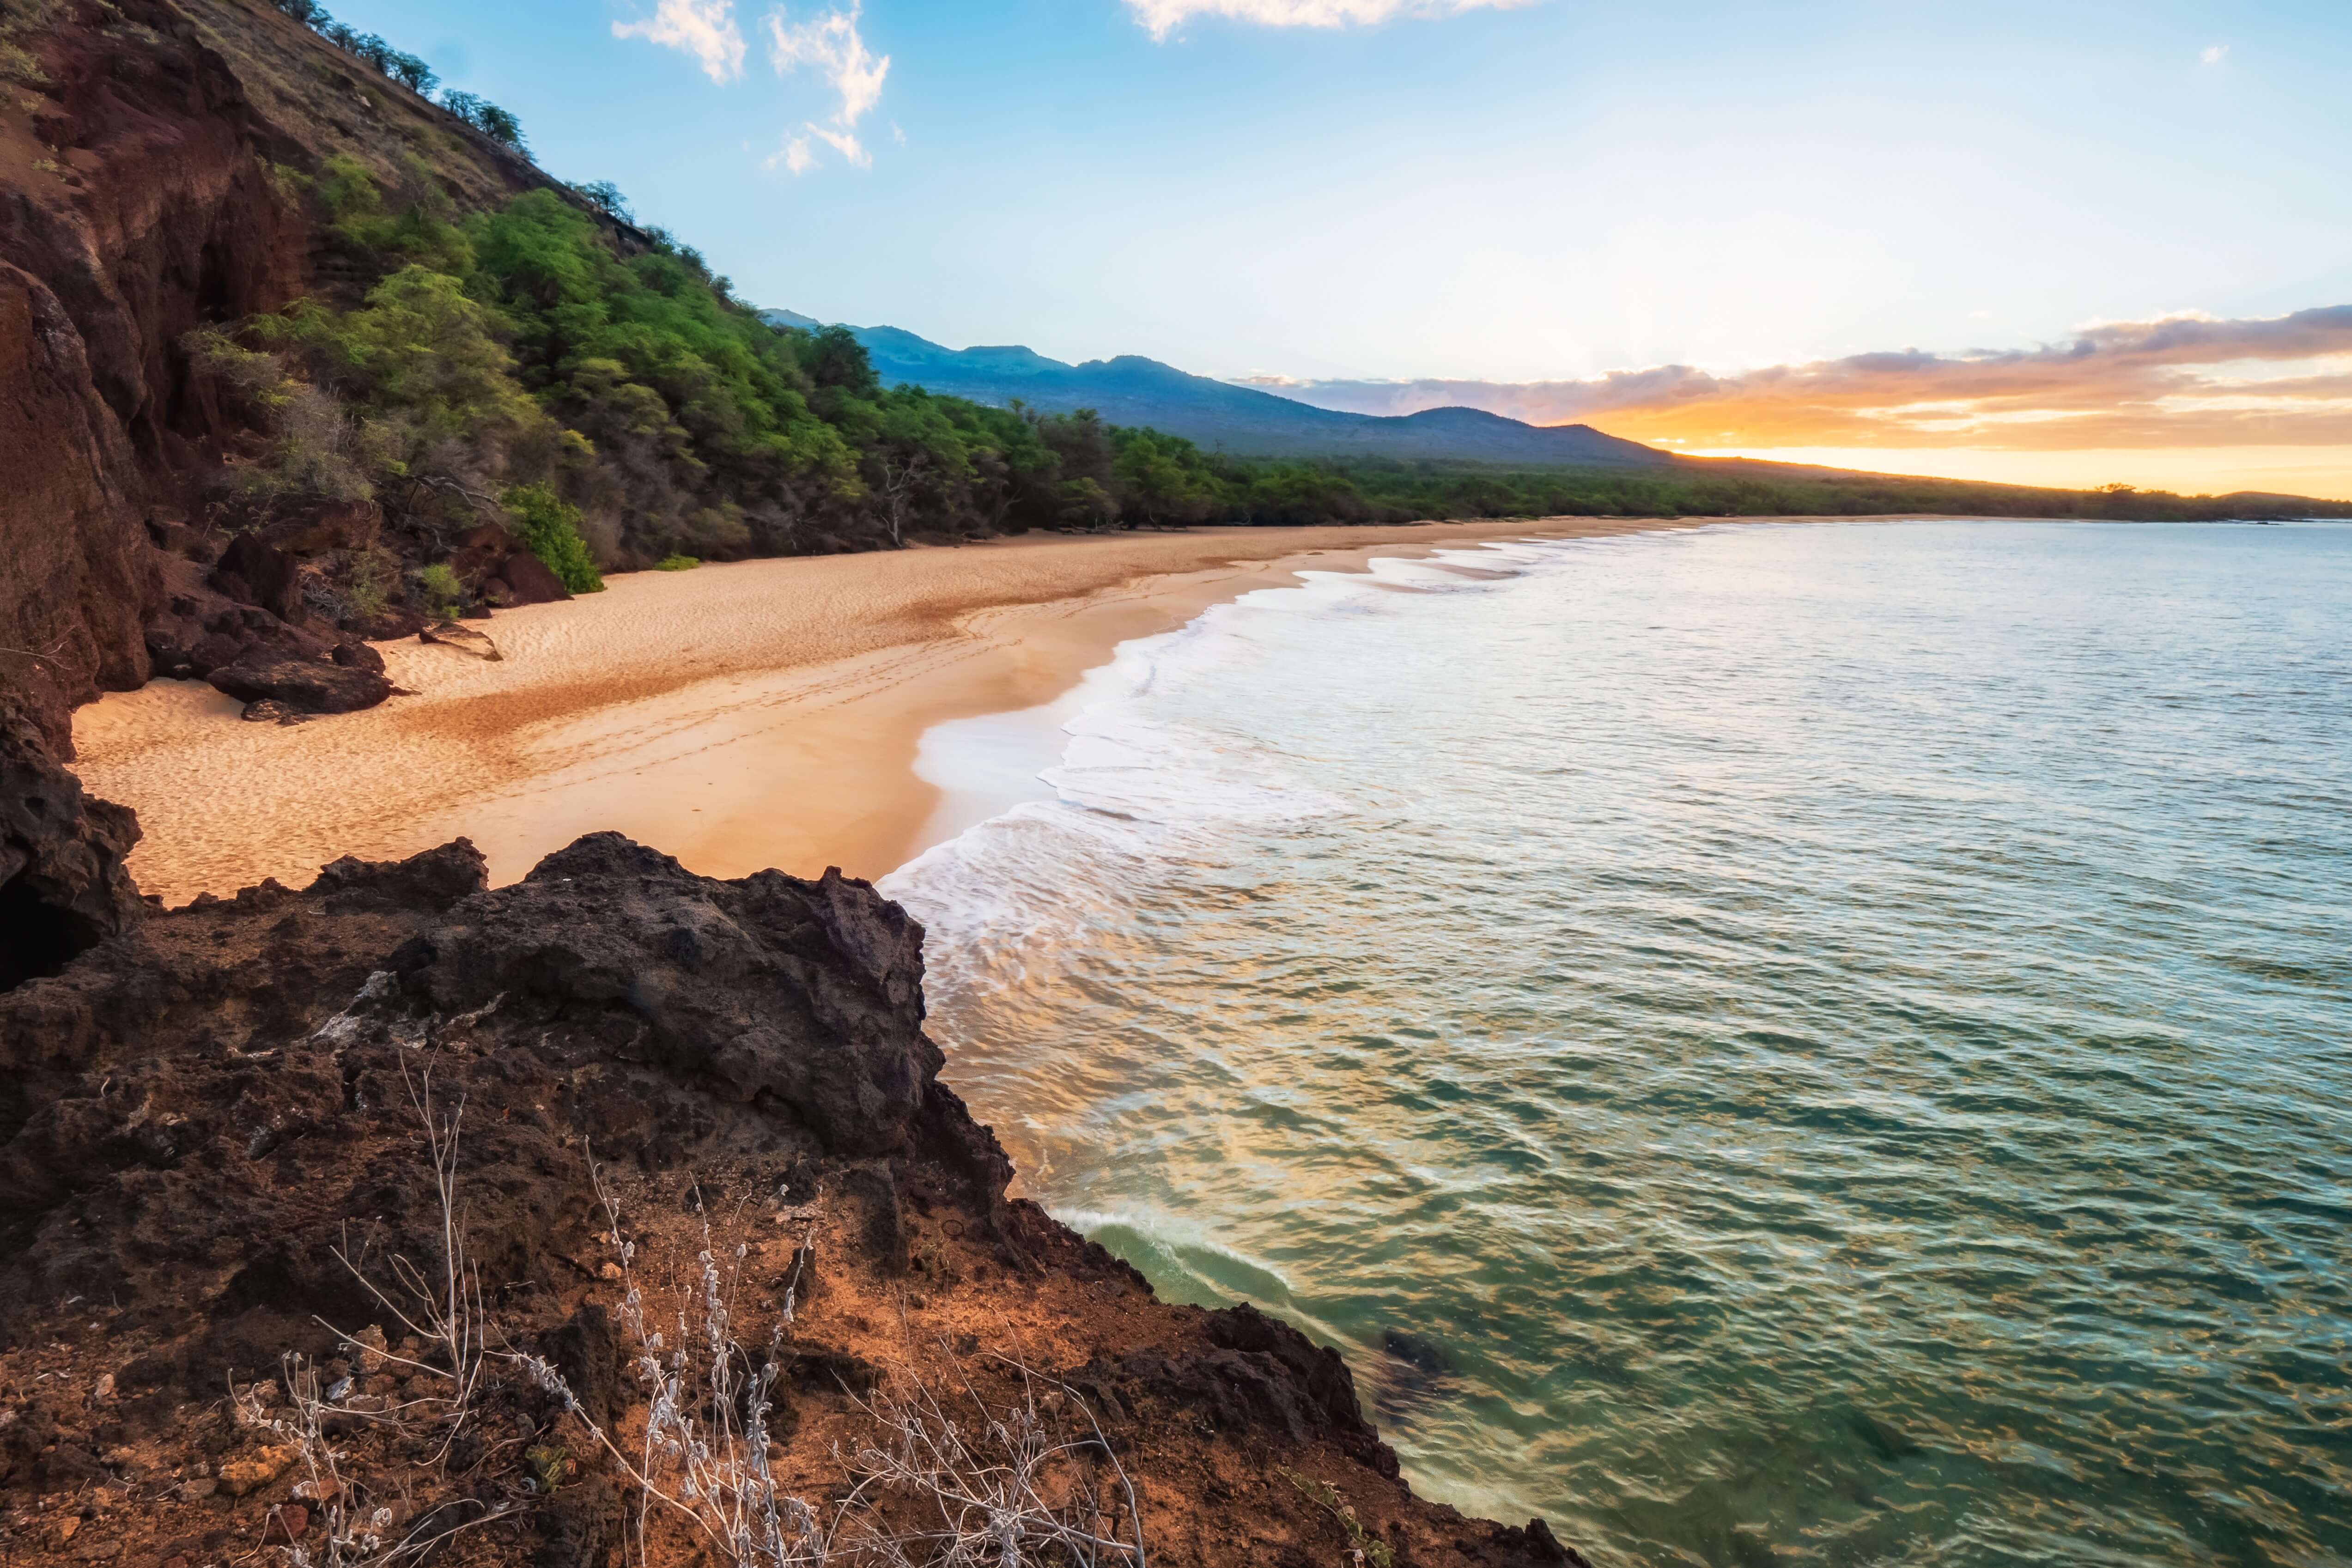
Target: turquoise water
[(1778, 1044)]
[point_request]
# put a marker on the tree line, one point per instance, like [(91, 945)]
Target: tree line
[(597, 387), (410, 72)]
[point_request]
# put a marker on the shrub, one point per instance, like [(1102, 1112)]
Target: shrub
[(368, 578), (17, 64), (551, 526), (442, 594), (676, 564)]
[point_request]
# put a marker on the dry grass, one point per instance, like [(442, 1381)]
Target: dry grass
[(941, 1475)]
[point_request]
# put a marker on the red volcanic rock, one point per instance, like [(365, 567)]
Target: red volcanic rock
[(388, 625), (74, 572), (307, 686), (63, 887), (319, 527), (528, 581), (260, 574), (358, 656)]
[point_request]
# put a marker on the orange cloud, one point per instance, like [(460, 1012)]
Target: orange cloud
[(2180, 382)]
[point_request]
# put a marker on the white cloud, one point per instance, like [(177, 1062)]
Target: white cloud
[(795, 156), (842, 142), (2215, 54), (1162, 16), (832, 44), (703, 29)]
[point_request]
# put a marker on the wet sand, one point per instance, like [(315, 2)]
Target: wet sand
[(764, 713)]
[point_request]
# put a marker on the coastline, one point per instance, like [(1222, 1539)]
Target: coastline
[(742, 716)]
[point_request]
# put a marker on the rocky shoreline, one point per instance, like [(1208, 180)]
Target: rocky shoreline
[(203, 1111)]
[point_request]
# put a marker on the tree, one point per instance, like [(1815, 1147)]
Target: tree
[(899, 475), (606, 198), (1161, 479), (502, 128), (411, 72), (488, 118), (837, 361), (1086, 505)]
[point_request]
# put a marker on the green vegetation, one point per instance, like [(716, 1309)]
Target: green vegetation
[(1384, 490), (551, 526), (443, 593), (409, 71), (19, 21), (525, 350), (598, 391), (676, 564)]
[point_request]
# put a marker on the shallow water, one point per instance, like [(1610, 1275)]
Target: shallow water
[(1791, 1043)]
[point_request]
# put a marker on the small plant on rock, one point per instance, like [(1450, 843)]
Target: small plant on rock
[(1367, 1547)]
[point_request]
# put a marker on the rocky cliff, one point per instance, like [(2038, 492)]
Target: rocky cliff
[(210, 1125), (150, 158), (145, 153)]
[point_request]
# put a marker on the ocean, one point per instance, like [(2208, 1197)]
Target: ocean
[(1773, 1044)]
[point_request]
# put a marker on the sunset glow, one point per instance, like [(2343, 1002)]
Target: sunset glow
[(2184, 401)]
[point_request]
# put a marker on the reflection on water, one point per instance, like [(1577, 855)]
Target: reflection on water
[(1776, 1044)]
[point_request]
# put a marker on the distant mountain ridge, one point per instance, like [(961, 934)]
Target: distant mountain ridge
[(1239, 420)]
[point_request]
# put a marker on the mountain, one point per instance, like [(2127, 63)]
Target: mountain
[(1239, 420)]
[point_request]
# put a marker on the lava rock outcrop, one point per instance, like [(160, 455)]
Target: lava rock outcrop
[(63, 885)]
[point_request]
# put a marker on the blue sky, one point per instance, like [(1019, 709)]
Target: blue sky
[(1531, 193)]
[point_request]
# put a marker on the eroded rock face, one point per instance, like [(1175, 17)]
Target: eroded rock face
[(160, 213), (74, 577), (63, 889), (803, 997), (253, 573), (164, 216), (188, 1112)]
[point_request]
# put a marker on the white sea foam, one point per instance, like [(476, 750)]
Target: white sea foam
[(1029, 796)]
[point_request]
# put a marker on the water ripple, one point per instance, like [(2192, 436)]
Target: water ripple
[(1823, 1044)]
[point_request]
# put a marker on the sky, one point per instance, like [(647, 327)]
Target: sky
[(2054, 242)]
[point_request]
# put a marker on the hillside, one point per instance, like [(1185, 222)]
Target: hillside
[(1466, 461), (1238, 421)]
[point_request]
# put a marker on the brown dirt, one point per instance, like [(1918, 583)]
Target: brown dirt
[(195, 1116)]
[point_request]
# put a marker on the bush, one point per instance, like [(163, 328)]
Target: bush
[(551, 526), (676, 564), (444, 595), (368, 578)]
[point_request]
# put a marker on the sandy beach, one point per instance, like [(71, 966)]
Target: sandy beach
[(744, 716)]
